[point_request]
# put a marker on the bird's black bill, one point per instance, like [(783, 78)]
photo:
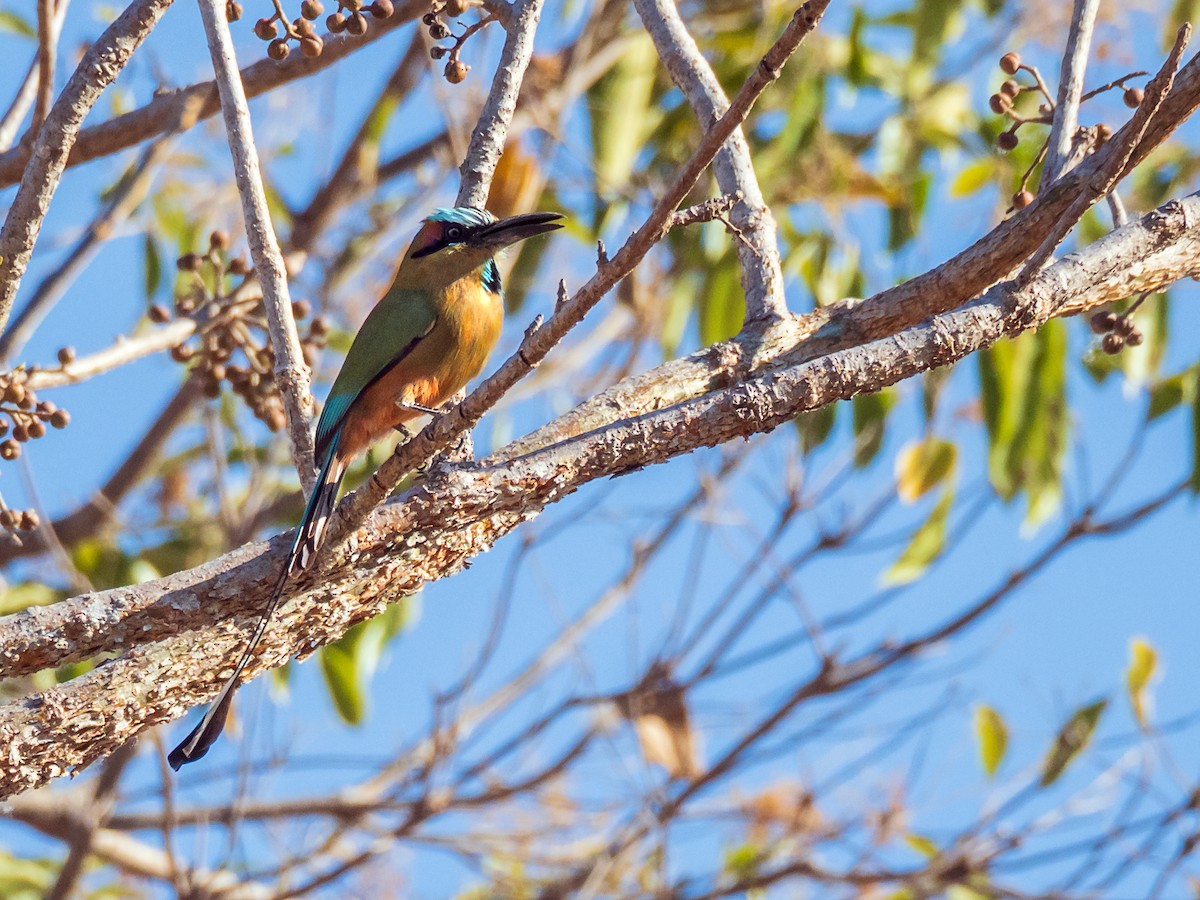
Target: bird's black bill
[(204, 735), (516, 228)]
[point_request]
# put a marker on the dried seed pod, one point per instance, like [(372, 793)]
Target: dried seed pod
[(456, 71), (66, 355), (278, 49), (437, 52), (429, 18), (265, 29), (438, 31), (1009, 63), (233, 10), (1103, 322), (1133, 97), (357, 25)]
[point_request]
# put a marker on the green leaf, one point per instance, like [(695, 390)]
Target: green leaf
[(815, 426), (993, 738), (1142, 665), (1073, 737), (926, 545), (153, 265), (10, 21), (923, 845), (923, 465), (743, 862), (723, 305), (622, 114), (1168, 393), (870, 412), (973, 178), (1194, 483), (349, 663)]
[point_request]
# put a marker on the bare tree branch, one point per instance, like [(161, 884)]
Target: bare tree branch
[(291, 372), (99, 66), (762, 272), (1070, 89)]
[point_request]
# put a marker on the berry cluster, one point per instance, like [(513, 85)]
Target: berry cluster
[(1119, 331), (1003, 103), (456, 70), (300, 29), (231, 342), (24, 418), (351, 15)]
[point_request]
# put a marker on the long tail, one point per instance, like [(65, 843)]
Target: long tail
[(309, 535)]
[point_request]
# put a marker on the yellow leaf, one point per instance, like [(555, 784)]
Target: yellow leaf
[(993, 738), (922, 466), (1142, 666)]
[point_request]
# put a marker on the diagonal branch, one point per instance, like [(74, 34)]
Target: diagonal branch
[(762, 271), (291, 373), (99, 66)]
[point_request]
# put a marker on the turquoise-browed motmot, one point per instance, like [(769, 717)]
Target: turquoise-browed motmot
[(429, 335)]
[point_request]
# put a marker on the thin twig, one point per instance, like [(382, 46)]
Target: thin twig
[(99, 66), (1070, 87), (291, 373), (758, 252), (487, 140), (47, 59)]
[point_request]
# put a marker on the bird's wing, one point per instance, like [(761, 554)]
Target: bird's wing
[(400, 321)]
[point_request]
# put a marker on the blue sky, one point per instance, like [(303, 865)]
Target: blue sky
[(1057, 643)]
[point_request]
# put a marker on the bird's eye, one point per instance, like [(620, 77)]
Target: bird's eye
[(454, 233)]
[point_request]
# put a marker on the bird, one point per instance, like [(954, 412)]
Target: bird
[(425, 339)]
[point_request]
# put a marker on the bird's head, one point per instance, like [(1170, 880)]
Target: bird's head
[(454, 243)]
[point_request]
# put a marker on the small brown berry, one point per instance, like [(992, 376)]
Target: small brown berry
[(1103, 133), (1133, 97), (158, 313), (20, 433), (29, 520), (301, 309), (182, 353), (3, 427), (1010, 89), (278, 49), (357, 25), (36, 429), (265, 29), (211, 388), (999, 103), (455, 8), (312, 46), (1007, 140), (29, 401), (189, 262), (303, 27), (276, 419), (438, 31), (237, 266), (1022, 199), (456, 71), (10, 519), (335, 22), (1103, 322), (233, 10), (311, 9), (429, 18), (382, 9), (60, 418), (1112, 343), (1009, 63), (437, 52), (319, 326), (66, 355), (10, 449), (13, 392)]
